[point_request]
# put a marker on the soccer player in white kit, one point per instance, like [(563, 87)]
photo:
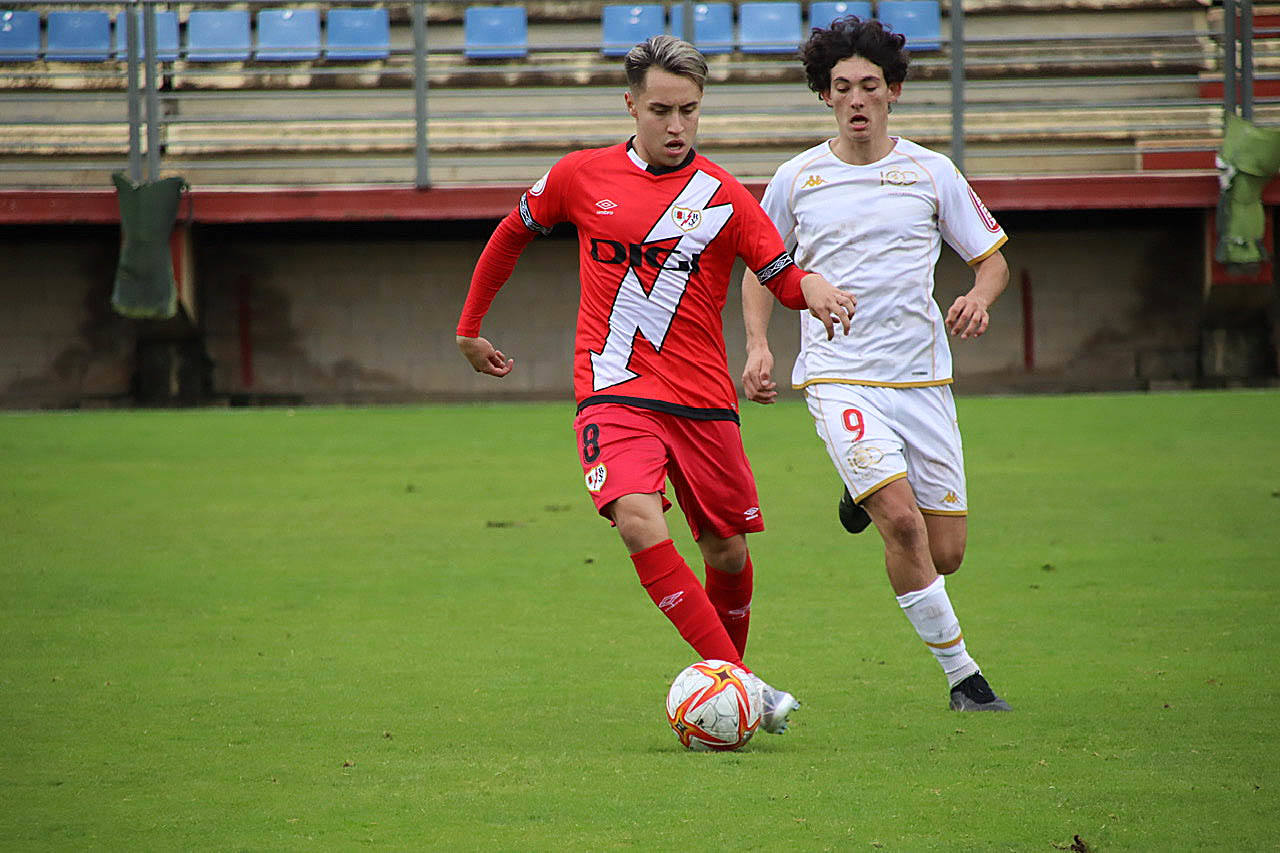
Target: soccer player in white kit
[(870, 212)]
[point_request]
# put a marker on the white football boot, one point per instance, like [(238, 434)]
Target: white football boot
[(776, 705)]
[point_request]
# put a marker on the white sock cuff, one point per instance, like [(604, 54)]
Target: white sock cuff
[(908, 599)]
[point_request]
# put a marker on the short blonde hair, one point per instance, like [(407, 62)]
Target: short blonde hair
[(669, 54)]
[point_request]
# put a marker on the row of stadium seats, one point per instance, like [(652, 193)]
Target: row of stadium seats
[(767, 26), (212, 36), (764, 26)]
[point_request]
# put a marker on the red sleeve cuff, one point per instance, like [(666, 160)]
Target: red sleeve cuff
[(785, 285)]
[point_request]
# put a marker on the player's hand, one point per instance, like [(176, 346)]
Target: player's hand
[(757, 376), (968, 316), (828, 303), (483, 357)]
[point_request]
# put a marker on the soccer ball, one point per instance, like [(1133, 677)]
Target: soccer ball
[(714, 705)]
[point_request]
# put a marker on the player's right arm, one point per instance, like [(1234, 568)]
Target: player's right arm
[(536, 212)]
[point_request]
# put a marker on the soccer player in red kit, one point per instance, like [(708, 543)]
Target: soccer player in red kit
[(659, 228)]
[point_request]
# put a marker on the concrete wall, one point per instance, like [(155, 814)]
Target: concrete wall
[(367, 312), (60, 342)]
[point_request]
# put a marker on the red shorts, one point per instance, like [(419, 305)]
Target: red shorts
[(625, 450)]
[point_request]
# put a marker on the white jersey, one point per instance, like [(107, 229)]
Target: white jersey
[(876, 231)]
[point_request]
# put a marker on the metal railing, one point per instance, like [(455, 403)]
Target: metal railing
[(994, 101), (1237, 63)]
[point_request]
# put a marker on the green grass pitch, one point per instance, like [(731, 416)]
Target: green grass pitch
[(406, 628)]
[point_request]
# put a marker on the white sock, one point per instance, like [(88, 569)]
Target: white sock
[(930, 611)]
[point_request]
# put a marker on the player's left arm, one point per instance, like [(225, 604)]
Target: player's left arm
[(970, 314), (970, 229)]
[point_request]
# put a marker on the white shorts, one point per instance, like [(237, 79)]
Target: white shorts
[(876, 435)]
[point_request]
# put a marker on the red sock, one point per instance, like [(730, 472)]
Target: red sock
[(675, 589), (730, 595)]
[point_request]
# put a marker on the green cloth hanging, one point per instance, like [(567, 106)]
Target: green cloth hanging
[(144, 285), (1249, 159)]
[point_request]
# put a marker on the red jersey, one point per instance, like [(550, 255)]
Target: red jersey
[(656, 249)]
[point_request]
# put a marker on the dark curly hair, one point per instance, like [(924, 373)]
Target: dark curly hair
[(851, 36)]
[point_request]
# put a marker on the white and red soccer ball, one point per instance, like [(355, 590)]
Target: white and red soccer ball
[(714, 705)]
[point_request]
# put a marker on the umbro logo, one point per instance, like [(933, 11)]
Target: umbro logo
[(606, 207), (751, 514), (814, 181), (670, 601)]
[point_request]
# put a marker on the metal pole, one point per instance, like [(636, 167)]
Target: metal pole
[(421, 166), (1246, 59), (686, 11), (153, 97), (135, 93), (957, 83), (1028, 325), (1228, 57)]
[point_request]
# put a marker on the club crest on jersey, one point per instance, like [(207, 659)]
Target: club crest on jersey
[(898, 177), (686, 218), (596, 477), (864, 456)]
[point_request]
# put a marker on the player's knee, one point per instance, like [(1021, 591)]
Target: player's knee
[(904, 528), (947, 560), (724, 555), (638, 524)]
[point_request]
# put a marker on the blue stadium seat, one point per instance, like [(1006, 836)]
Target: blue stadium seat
[(712, 26), (626, 26), (218, 35), (919, 20), (19, 36), (166, 36), (822, 13), (287, 35), (495, 32), (358, 34), (769, 27), (79, 36)]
